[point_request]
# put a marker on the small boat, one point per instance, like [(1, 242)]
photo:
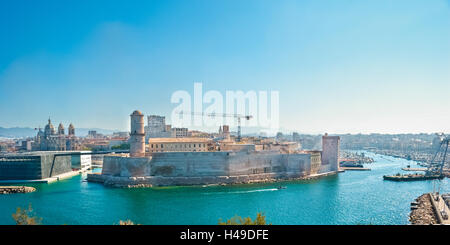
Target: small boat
[(281, 187)]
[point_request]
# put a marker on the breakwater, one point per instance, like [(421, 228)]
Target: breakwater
[(16, 189), (422, 211)]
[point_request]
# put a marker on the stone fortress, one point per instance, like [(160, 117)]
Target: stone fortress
[(233, 163)]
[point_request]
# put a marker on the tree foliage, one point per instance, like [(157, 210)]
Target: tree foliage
[(26, 216), (124, 146), (237, 220), (127, 222)]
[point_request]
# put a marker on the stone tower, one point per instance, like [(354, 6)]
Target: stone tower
[(137, 135), (226, 131), (61, 129), (330, 152), (71, 130)]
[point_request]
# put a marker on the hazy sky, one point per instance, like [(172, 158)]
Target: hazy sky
[(339, 66)]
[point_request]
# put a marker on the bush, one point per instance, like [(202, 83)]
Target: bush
[(123, 146), (126, 222), (25, 217), (237, 220)]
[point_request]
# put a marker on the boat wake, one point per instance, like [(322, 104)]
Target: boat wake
[(240, 192)]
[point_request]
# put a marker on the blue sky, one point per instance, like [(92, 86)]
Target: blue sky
[(339, 66)]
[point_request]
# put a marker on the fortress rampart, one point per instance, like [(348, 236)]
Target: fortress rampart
[(203, 168)]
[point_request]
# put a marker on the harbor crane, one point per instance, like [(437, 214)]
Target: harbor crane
[(237, 116), (436, 165)]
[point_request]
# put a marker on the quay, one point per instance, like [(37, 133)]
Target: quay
[(16, 189), (440, 205), (414, 169), (355, 169), (46, 180)]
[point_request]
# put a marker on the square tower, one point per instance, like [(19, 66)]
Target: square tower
[(330, 152)]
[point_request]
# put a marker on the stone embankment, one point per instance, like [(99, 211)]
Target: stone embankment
[(154, 181), (16, 189), (422, 211)]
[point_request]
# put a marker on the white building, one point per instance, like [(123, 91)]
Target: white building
[(82, 162), (157, 128)]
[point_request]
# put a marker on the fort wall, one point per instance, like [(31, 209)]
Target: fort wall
[(202, 168)]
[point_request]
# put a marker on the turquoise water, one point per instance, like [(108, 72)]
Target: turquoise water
[(353, 197)]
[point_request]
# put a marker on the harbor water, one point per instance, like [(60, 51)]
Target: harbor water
[(350, 198)]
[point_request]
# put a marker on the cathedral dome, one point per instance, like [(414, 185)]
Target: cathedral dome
[(49, 129)]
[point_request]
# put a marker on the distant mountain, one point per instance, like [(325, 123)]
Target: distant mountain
[(31, 132), (17, 132)]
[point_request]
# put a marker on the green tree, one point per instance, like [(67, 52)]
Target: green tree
[(124, 146), (237, 220), (26, 216)]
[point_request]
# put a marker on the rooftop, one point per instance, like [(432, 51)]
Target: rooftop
[(178, 140)]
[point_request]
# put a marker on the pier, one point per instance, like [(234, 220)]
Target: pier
[(355, 168), (414, 169)]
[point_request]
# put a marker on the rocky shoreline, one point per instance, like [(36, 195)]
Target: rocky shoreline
[(16, 189), (422, 211)]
